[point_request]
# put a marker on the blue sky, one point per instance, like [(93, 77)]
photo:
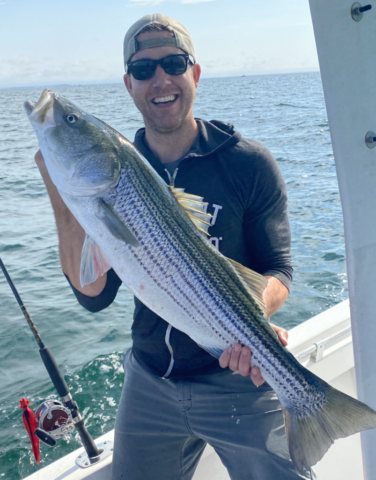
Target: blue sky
[(57, 42)]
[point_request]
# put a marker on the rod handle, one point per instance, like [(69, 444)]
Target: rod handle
[(87, 442), (53, 370)]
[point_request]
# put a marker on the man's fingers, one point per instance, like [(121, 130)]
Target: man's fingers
[(245, 362), (238, 359), (234, 359), (283, 334), (256, 376), (224, 359)]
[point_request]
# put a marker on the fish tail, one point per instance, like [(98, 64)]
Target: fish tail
[(333, 415)]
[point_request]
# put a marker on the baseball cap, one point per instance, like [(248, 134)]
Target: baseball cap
[(181, 38)]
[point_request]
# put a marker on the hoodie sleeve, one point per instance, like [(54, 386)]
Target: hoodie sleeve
[(266, 223), (104, 299)]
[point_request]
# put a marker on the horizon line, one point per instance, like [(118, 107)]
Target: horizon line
[(118, 81)]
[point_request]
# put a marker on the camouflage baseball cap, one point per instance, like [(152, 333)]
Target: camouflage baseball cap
[(181, 38)]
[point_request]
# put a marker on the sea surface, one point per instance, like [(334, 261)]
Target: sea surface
[(284, 112)]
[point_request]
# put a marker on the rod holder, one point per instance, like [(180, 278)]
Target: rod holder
[(105, 449), (357, 11)]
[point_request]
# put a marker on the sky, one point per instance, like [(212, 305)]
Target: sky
[(44, 43)]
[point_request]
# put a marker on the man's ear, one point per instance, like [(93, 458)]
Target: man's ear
[(128, 83), (196, 69)]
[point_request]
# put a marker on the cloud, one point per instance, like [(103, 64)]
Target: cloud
[(157, 2), (30, 70), (243, 62)]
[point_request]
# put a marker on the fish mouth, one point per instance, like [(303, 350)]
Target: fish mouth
[(41, 113), (29, 107)]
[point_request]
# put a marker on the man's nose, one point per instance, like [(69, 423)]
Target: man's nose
[(161, 78)]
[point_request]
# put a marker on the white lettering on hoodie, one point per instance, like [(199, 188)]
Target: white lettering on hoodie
[(215, 240)]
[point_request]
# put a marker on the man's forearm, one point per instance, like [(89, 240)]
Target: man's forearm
[(275, 295), (71, 236)]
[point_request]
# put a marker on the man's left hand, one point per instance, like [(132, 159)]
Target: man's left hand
[(238, 358)]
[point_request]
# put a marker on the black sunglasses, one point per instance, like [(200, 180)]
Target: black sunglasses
[(145, 68)]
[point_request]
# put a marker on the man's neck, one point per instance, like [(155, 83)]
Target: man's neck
[(169, 147)]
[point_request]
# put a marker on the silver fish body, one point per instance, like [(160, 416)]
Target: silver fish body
[(136, 224)]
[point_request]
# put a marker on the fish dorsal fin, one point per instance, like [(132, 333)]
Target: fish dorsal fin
[(254, 282), (93, 263), (194, 207)]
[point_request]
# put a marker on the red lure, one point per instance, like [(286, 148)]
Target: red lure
[(30, 423)]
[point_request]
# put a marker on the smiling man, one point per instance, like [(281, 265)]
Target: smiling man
[(176, 397)]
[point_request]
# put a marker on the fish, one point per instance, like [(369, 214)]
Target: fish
[(155, 237)]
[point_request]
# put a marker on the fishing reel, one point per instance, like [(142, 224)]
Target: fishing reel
[(54, 421)]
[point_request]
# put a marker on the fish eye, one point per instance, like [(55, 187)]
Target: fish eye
[(71, 118)]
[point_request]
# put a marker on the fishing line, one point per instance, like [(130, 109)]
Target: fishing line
[(58, 381)]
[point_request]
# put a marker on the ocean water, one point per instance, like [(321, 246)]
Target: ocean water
[(284, 112)]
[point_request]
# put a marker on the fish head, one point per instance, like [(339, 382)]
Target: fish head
[(80, 150)]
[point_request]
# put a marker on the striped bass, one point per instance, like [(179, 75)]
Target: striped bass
[(154, 237)]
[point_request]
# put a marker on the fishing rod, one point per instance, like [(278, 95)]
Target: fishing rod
[(94, 454)]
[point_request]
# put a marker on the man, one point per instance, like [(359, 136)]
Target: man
[(176, 397)]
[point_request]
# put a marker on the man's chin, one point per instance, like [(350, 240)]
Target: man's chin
[(167, 126)]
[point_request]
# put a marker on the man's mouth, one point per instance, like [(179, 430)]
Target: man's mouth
[(163, 100)]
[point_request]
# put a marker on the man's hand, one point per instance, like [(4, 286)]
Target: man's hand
[(238, 358)]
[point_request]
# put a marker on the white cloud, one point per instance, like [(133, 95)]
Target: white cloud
[(253, 63), (23, 70)]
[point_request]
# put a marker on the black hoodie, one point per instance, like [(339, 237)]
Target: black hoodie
[(243, 185)]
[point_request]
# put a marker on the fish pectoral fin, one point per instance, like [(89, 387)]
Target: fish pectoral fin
[(194, 207), (93, 263), (254, 282), (117, 228), (214, 352)]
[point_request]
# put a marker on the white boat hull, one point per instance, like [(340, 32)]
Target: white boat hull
[(323, 344)]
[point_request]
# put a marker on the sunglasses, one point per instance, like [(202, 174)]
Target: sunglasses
[(144, 69)]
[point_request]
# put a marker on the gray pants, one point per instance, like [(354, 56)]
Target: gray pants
[(163, 427)]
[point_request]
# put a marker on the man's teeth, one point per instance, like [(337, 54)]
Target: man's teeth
[(170, 98)]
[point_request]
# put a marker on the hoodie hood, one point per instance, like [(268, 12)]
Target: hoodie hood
[(212, 136)]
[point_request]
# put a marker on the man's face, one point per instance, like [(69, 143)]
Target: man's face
[(165, 101)]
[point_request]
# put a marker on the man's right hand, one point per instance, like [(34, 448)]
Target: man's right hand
[(238, 358)]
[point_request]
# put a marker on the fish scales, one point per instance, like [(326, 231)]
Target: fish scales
[(212, 299), (166, 234), (143, 232), (206, 286), (133, 191), (172, 268)]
